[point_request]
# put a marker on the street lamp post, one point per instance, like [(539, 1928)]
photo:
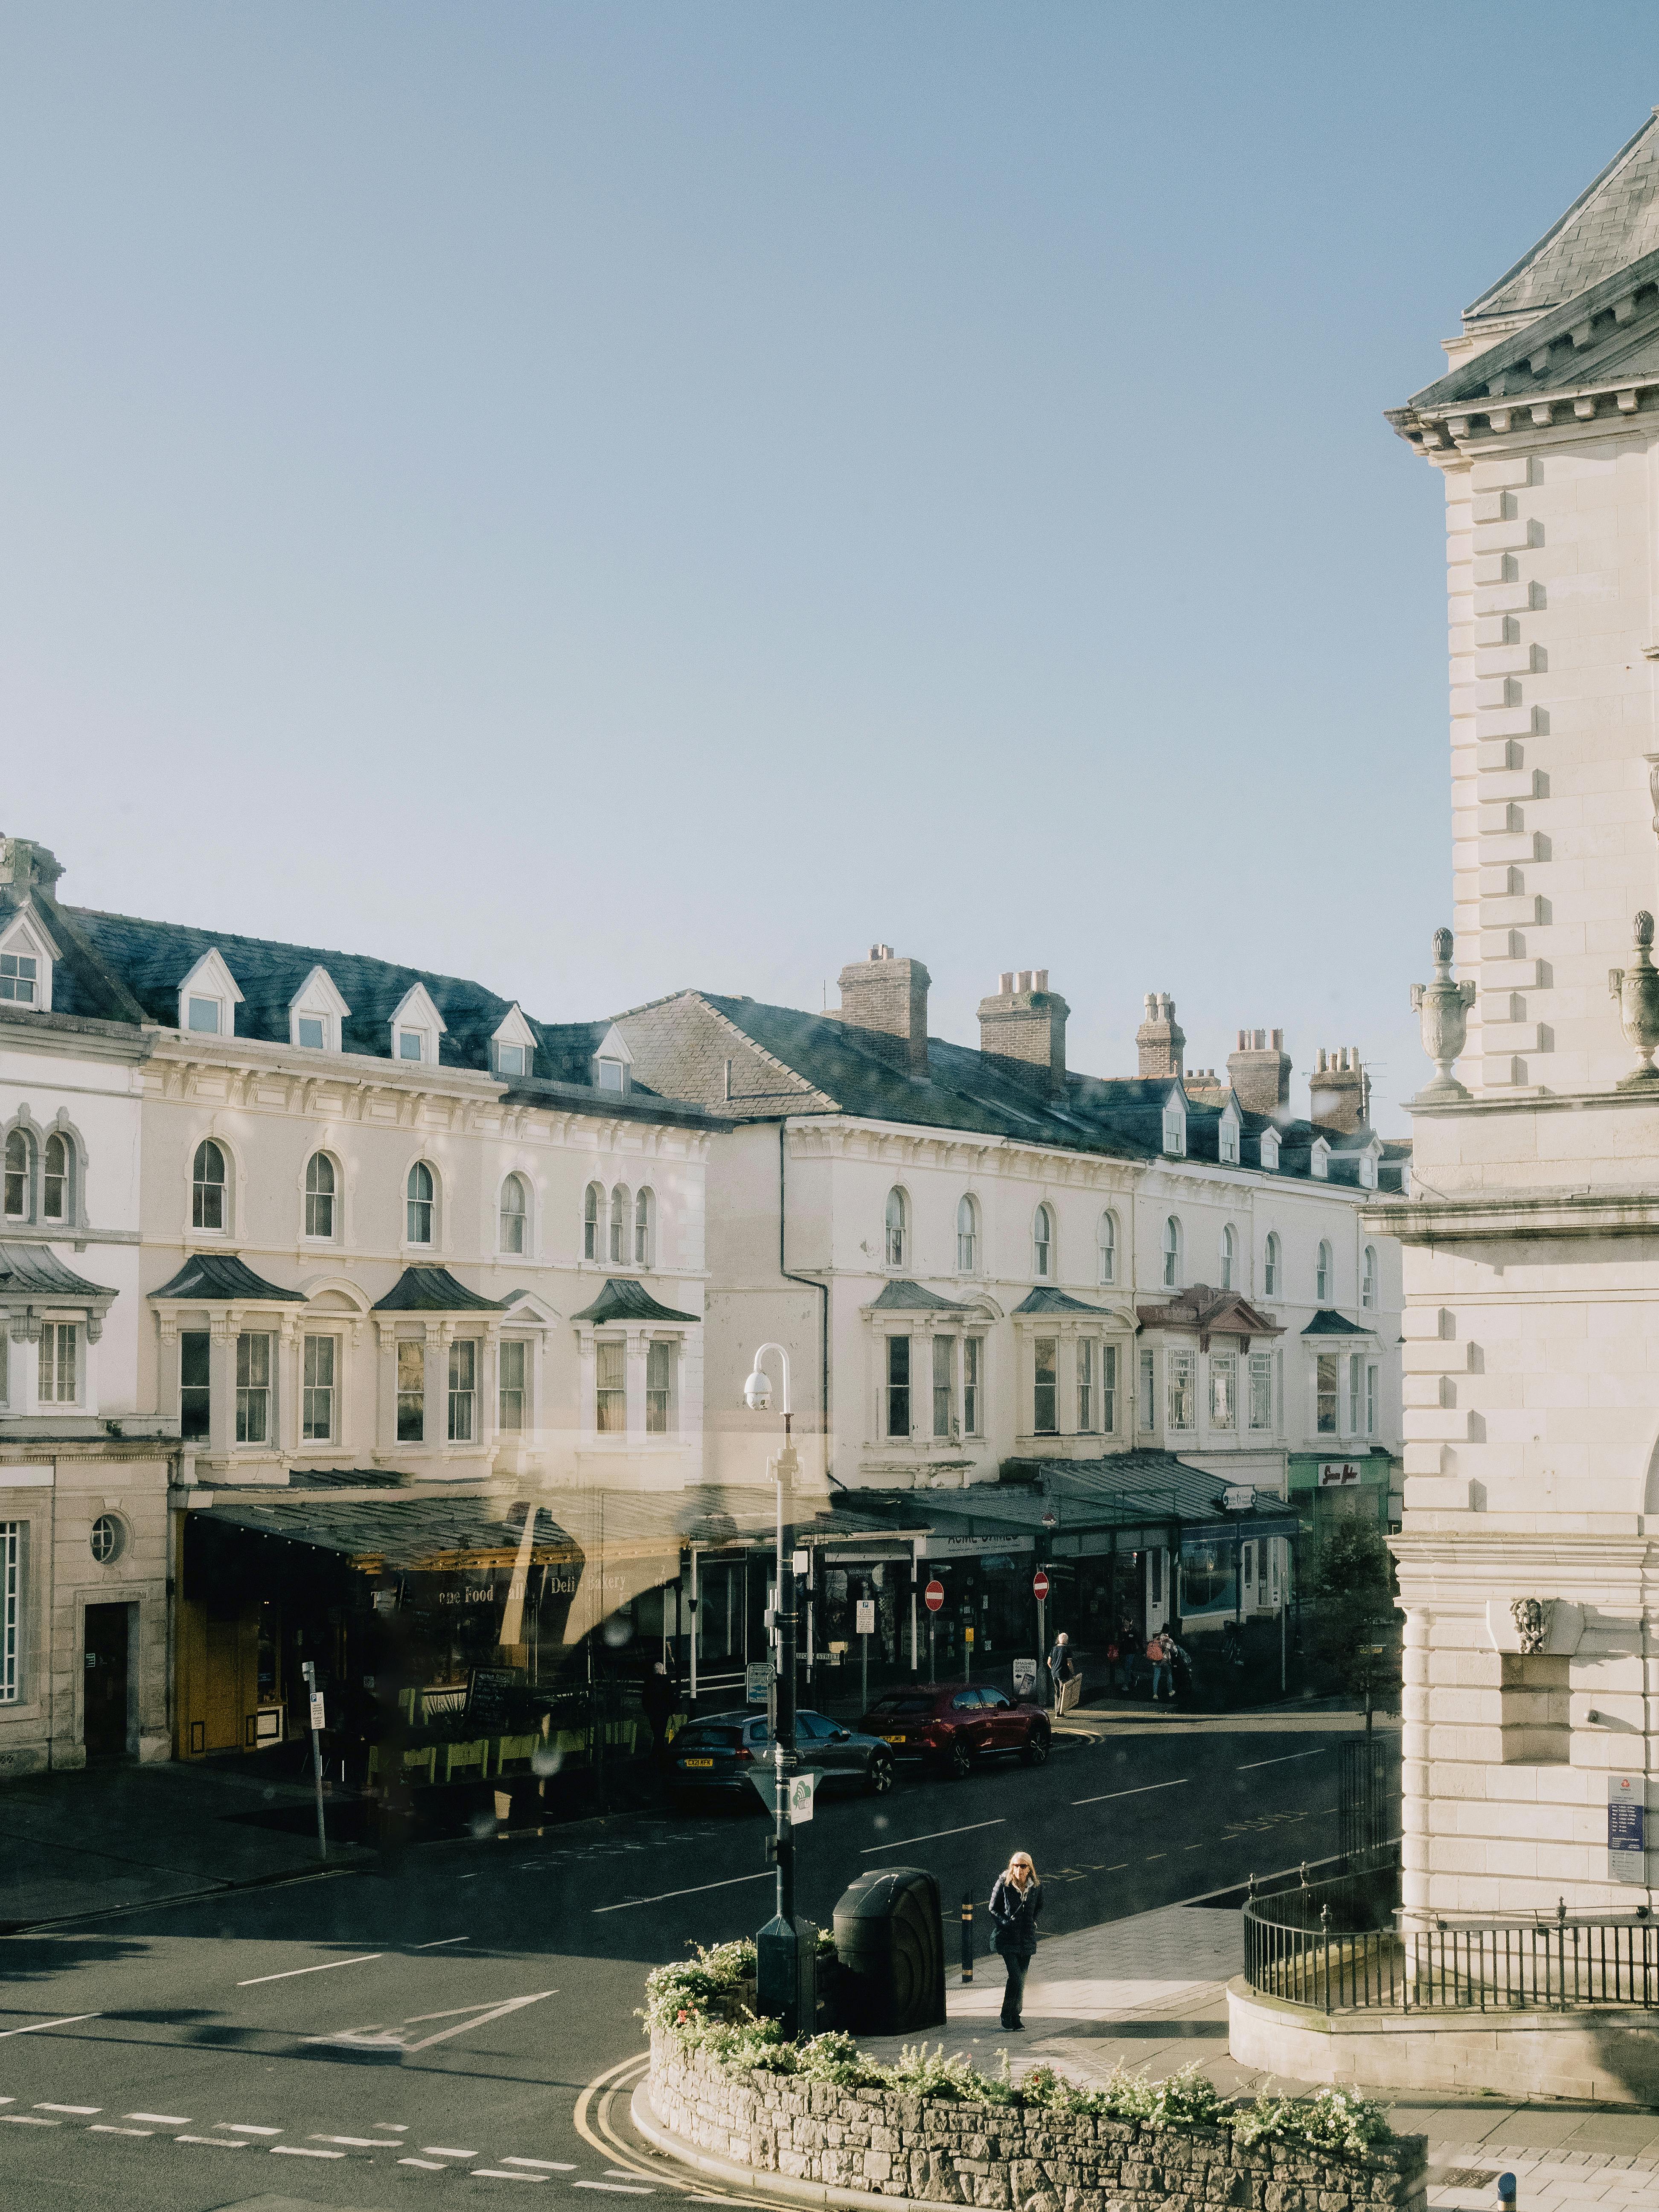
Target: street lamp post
[(786, 1951)]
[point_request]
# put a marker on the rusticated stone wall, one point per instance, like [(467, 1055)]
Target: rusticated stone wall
[(1000, 2157)]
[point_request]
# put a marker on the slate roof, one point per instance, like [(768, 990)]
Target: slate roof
[(1121, 1489), (1614, 222), (904, 1297), (815, 1065), (1050, 1301), (36, 1271), (429, 1289), (1327, 1323), (623, 1299), (214, 1275)]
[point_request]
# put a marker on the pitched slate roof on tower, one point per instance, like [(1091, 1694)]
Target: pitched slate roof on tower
[(1613, 222)]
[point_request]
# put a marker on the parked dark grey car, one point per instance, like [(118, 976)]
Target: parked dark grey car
[(715, 1756)]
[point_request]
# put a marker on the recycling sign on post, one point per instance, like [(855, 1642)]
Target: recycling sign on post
[(800, 1787)]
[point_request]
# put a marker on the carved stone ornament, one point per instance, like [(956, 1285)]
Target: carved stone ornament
[(1531, 1616), (1443, 1007), (1636, 990)]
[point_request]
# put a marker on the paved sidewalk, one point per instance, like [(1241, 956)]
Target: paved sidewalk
[(105, 1837), (1150, 1992)]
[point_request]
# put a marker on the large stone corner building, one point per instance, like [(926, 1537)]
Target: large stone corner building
[(1532, 1262)]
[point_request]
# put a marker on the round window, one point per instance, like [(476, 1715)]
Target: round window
[(108, 1539)]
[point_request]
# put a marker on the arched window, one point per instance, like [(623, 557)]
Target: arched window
[(1368, 1277), (1270, 1267), (1106, 1246), (515, 1208), (592, 1208), (1229, 1247), (897, 1227), (18, 1159), (1172, 1254), (207, 1186), (645, 1224), (421, 1187), (320, 1195), (1043, 1244), (621, 1207), (57, 1192), (1323, 1275), (967, 1235)]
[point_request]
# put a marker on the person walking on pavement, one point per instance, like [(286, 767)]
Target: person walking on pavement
[(657, 1699), (1161, 1652), (1016, 1901), (1060, 1668)]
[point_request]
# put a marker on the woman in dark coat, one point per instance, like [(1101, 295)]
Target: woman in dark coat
[(1016, 1901)]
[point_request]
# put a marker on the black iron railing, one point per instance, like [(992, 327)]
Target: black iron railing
[(1347, 1944)]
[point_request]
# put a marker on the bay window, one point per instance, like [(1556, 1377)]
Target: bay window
[(253, 1388), (945, 1378), (659, 1387), (1325, 1393), (60, 1384), (1179, 1366), (510, 1414), (411, 1391), (317, 1406), (611, 1386), (1223, 1390), (1045, 1409), (463, 1389), (898, 1386)]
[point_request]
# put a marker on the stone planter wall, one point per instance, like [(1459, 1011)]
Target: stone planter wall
[(878, 2142)]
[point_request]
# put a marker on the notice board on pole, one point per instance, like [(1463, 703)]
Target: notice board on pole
[(1627, 1821)]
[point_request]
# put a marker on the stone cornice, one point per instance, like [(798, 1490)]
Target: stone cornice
[(1464, 430), (1512, 1213)]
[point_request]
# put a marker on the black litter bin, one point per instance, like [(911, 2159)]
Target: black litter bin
[(890, 1940)]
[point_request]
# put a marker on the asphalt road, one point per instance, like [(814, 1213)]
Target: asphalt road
[(168, 2057)]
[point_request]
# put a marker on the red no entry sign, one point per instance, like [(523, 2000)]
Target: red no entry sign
[(1040, 1583), (934, 1596)]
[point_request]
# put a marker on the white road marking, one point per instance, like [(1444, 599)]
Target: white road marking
[(1250, 1765), (360, 2142), (215, 2142), (163, 2120), (301, 2150), (1180, 1782), (327, 1966), (243, 2128), (627, 1903), (480, 2020), (438, 1944), (616, 2188), (83, 2109), (500, 2173), (898, 1842), (445, 2150), (68, 2021), (103, 2128), (551, 2165), (29, 2120), (391, 2127), (426, 2165)]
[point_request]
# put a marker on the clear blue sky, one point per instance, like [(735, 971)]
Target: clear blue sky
[(604, 498)]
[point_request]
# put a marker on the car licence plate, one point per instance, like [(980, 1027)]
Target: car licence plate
[(696, 1762), (893, 1739)]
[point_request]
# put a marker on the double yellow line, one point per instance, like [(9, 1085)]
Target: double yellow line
[(596, 2124)]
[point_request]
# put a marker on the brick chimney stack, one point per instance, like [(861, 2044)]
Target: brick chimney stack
[(883, 999), (1339, 1091), (27, 867), (1260, 1072), (1021, 1026), (1160, 1041)]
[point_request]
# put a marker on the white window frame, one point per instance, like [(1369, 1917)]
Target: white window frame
[(619, 1227), (313, 1201), (645, 1226), (428, 1242), (1368, 1279), (250, 1391), (896, 1228), (60, 1344), (610, 1396), (70, 1210), (20, 1134), (1052, 1386), (318, 1000), (968, 1238), (1224, 1392), (11, 1613), (1229, 1256), (1088, 1408), (25, 938), (416, 1018), (514, 1035), (513, 1181), (210, 983), (973, 1384), (1147, 1385), (465, 1364), (405, 1372), (1260, 1365), (1109, 1371), (1043, 1245), (1324, 1268), (1180, 1390), (1106, 1246), (661, 1352), (1175, 1132), (1172, 1243), (593, 1223), (1227, 1140), (1273, 1265), (227, 1212), (1268, 1146), (313, 1388), (514, 1352)]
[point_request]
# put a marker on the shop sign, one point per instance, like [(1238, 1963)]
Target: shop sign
[(1339, 1474), (1238, 1498), (974, 1548), (1025, 1677), (1627, 1820)]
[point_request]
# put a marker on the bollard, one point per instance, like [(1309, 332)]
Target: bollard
[(1506, 2189), (967, 1936)]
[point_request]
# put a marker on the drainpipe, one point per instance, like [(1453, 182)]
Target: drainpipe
[(807, 1283)]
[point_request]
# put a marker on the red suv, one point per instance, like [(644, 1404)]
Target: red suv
[(955, 1723)]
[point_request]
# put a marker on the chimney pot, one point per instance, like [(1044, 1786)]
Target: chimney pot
[(1039, 979), (1005, 982)]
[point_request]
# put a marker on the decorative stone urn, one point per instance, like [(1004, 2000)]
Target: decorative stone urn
[(1443, 1007), (1637, 989)]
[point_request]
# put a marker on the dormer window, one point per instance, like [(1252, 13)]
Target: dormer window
[(1269, 1148), (315, 1013), (613, 1076), (20, 978), (1229, 1141), (208, 997), (312, 1032), (1174, 1130), (1367, 1172), (613, 1063), (416, 1028), (1319, 1160), (512, 1047)]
